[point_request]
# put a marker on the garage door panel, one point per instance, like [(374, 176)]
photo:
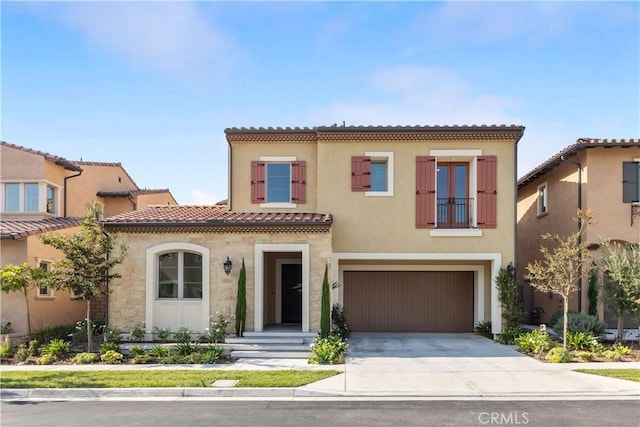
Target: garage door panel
[(405, 301)]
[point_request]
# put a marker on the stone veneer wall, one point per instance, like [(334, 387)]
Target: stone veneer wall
[(127, 298)]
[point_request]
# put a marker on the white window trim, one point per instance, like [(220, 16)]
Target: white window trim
[(470, 156), (386, 156), (42, 196), (278, 159), (544, 185), (50, 294)]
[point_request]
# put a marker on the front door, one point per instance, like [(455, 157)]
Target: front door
[(291, 293)]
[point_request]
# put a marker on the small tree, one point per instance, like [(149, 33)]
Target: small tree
[(594, 289), (21, 278), (561, 267), (508, 297), (621, 265), (241, 301), (325, 306), (89, 257)]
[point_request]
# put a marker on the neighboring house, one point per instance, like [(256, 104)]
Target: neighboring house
[(413, 222), (597, 174), (41, 193)]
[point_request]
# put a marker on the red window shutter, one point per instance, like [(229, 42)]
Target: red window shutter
[(360, 173), (487, 192), (298, 182), (425, 192), (257, 181)]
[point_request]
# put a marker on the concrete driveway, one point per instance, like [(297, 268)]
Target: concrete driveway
[(456, 366)]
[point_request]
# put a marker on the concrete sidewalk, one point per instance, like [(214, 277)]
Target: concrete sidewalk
[(424, 366)]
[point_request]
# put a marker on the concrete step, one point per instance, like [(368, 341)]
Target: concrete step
[(270, 354), (265, 340), (280, 334)]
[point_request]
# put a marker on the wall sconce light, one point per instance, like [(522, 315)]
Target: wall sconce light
[(550, 294), (227, 266), (511, 269)]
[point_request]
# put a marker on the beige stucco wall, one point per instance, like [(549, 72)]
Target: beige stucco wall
[(163, 198), (21, 165), (44, 311), (244, 153), (601, 192), (127, 305)]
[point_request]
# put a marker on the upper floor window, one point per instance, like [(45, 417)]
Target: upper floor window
[(631, 182), (52, 199), (278, 181), (456, 189), (12, 197), (543, 199), (31, 197), (373, 173), (180, 275)]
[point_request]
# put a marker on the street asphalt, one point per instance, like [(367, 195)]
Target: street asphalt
[(390, 366)]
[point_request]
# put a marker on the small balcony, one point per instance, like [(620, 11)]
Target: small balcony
[(454, 212)]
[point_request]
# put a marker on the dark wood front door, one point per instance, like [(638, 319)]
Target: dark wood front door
[(291, 293)]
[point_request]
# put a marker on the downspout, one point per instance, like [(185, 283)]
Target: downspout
[(564, 159), (64, 209), (133, 202)]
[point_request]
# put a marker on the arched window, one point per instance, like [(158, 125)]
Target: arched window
[(179, 275)]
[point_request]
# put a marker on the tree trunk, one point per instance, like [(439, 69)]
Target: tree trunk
[(565, 320), (89, 328), (26, 301), (620, 328)]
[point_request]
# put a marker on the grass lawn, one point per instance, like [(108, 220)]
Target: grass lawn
[(158, 378), (622, 374)]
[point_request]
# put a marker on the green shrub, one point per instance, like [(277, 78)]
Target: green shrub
[(56, 347), (136, 350), (612, 355), (212, 354), (162, 334), (138, 334), (182, 335), (46, 359), (33, 348), (191, 358), (109, 346), (84, 358), (622, 350), (22, 353), (5, 348), (60, 332), (558, 355), (112, 357), (217, 330), (585, 356), (171, 359), (555, 316), (331, 349), (339, 321), (509, 336), (580, 322), (80, 329), (537, 341), (185, 348), (160, 351), (483, 328), (143, 359), (582, 340), (113, 335)]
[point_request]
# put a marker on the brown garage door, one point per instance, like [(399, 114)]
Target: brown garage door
[(409, 301)]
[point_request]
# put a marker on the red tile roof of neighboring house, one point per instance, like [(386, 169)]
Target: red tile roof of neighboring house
[(67, 164), (572, 150), (214, 218), (19, 229)]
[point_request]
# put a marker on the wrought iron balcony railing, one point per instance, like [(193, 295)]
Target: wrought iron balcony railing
[(454, 212)]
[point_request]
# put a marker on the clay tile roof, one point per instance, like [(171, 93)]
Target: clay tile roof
[(69, 165), (19, 229), (572, 150), (212, 218), (337, 128)]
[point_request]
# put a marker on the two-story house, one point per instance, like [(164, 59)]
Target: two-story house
[(596, 174), (414, 223), (41, 193)]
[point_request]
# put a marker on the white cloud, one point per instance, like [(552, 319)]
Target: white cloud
[(420, 96), (172, 37)]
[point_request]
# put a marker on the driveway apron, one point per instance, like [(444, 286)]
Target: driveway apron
[(456, 365)]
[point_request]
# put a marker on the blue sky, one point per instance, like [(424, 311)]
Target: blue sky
[(153, 85)]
